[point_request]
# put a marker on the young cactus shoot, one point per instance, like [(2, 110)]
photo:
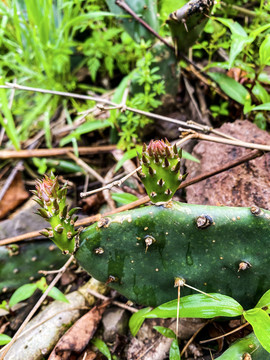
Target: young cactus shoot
[(160, 174), (54, 209)]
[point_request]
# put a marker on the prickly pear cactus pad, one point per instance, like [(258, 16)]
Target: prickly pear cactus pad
[(215, 249), (52, 200), (160, 172)]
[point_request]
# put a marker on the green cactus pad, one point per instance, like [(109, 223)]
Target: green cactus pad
[(187, 23), (19, 264), (215, 249), (160, 172), (248, 348), (54, 209)]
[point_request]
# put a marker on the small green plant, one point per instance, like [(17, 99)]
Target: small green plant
[(24, 292), (43, 45), (174, 353), (109, 50), (214, 305), (150, 87), (248, 52)]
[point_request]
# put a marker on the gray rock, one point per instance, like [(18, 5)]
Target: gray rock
[(115, 321), (24, 221)]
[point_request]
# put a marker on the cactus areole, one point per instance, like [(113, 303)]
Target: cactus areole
[(142, 252), (160, 172)]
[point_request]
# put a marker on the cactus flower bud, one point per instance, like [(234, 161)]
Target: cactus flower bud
[(54, 209), (160, 174)]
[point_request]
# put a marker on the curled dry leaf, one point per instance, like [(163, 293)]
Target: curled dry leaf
[(13, 197), (78, 336)]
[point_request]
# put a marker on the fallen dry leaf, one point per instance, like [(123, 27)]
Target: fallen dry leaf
[(14, 196), (88, 355), (78, 336)]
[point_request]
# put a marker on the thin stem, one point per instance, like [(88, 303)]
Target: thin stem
[(193, 337), (101, 100), (231, 142), (109, 186), (200, 291), (117, 303), (178, 310), (122, 4), (85, 166), (24, 154), (222, 336)]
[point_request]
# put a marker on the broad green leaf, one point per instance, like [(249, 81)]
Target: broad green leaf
[(260, 121), (85, 128), (253, 34), (119, 91), (42, 284), (137, 319), (8, 123), (234, 26), (264, 78), (264, 301), (145, 9), (56, 294), (261, 93), (4, 339), (174, 351), (165, 332), (86, 17), (260, 321), (124, 198), (247, 345), (264, 51), (22, 293), (239, 38), (102, 347), (238, 44), (198, 306), (248, 106), (231, 87), (265, 106)]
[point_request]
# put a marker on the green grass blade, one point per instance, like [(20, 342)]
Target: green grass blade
[(8, 123)]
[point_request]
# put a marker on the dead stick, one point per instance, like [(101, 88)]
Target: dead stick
[(94, 218), (23, 154), (240, 143)]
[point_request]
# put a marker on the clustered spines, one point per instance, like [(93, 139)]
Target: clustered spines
[(55, 210), (160, 173)]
